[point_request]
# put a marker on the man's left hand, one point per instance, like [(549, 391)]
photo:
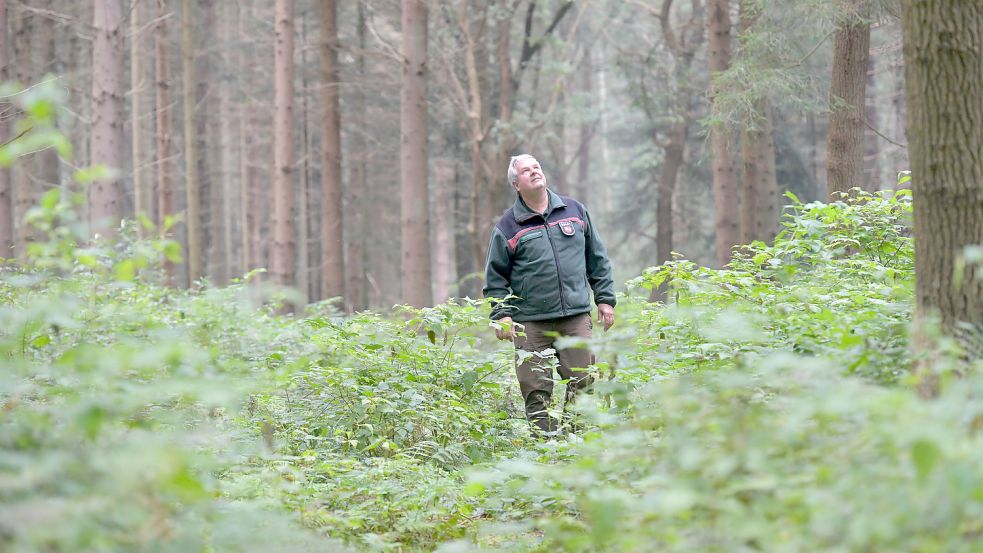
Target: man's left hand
[(605, 314)]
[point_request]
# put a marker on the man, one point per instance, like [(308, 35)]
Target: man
[(545, 252)]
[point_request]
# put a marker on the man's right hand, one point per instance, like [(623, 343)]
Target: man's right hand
[(507, 329)]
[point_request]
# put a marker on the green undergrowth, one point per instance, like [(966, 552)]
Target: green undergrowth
[(764, 407)]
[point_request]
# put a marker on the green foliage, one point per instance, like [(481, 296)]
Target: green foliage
[(838, 282), (787, 457)]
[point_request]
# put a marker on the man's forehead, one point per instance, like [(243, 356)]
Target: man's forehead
[(529, 161)]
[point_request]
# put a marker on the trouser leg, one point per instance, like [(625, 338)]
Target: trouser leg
[(574, 361), (535, 376)]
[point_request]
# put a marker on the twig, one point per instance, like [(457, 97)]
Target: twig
[(878, 133)]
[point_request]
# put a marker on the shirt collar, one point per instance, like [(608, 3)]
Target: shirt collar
[(523, 213)]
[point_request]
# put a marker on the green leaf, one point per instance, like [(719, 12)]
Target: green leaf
[(125, 270), (925, 454), (50, 199)]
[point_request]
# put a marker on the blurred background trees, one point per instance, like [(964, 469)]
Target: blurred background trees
[(679, 123)]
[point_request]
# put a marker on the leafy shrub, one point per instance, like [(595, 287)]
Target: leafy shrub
[(789, 456), (838, 282)]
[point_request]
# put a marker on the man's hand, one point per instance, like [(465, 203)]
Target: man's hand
[(605, 314), (507, 330)]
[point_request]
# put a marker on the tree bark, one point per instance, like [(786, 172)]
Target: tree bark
[(6, 196), (332, 230), (107, 114), (165, 155), (443, 231), (224, 196), (845, 138), (191, 187), (414, 218), (284, 243), (140, 192), (725, 195), (943, 51), (356, 192), (874, 178), (759, 199), (25, 190)]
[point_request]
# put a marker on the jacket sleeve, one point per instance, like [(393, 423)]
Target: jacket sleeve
[(599, 274), (498, 274)]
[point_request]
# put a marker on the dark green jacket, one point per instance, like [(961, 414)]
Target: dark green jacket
[(550, 262)]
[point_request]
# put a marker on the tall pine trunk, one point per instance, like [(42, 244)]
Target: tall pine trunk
[(6, 196), (845, 138), (332, 214), (165, 126), (356, 192), (140, 192), (191, 187), (107, 114), (414, 218), (943, 51), (284, 243), (725, 195)]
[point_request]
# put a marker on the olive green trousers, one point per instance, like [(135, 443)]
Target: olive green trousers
[(535, 372)]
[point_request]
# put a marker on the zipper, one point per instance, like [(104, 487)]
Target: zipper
[(556, 260)]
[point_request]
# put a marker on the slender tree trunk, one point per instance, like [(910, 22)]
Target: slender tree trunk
[(332, 230), (415, 221), (725, 195), (586, 130), (225, 194), (900, 158), (760, 201), (845, 138), (673, 160), (6, 196), (873, 175), (943, 51), (356, 191), (191, 187), (107, 114), (284, 243), (759, 187), (25, 190), (165, 153), (443, 231), (140, 192)]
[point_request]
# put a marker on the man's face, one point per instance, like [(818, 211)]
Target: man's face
[(530, 176)]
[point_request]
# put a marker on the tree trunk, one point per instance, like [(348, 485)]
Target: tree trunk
[(900, 158), (874, 179), (943, 51), (6, 197), (845, 138), (332, 231), (443, 231), (165, 161), (759, 198), (356, 192), (25, 190), (191, 186), (414, 206), (725, 196), (586, 130), (107, 114), (227, 162), (668, 176), (282, 256), (140, 192)]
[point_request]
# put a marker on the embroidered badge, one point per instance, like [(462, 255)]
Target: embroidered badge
[(566, 227)]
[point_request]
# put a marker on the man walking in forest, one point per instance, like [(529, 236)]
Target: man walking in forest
[(543, 261)]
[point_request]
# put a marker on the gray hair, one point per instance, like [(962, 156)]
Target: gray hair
[(512, 174)]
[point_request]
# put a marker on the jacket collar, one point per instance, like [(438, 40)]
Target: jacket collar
[(522, 212)]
